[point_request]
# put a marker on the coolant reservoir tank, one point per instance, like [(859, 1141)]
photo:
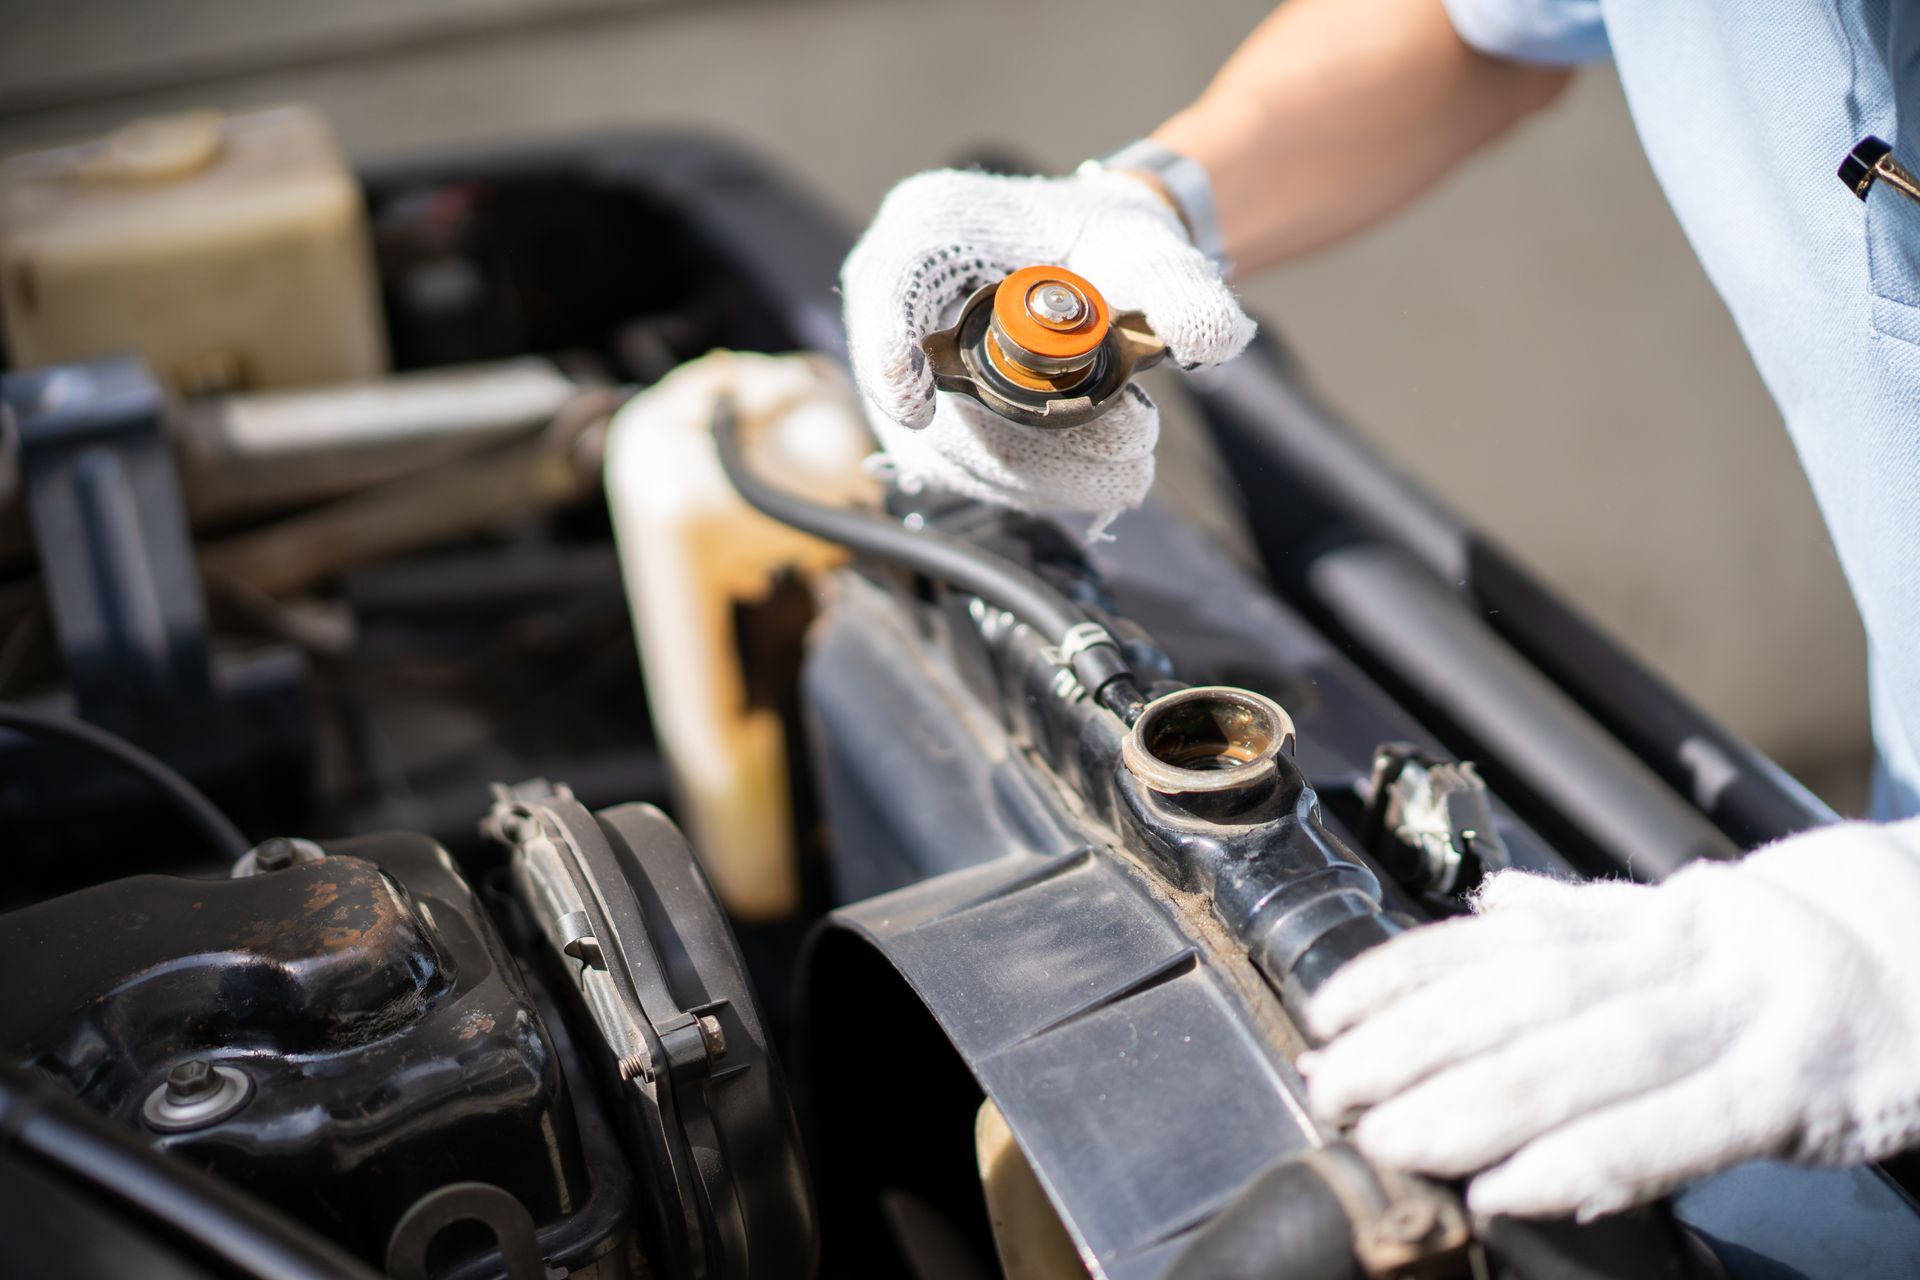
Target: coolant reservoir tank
[(693, 554), (230, 251)]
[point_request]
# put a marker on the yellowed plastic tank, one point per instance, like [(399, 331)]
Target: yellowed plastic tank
[(691, 552), (230, 251), (1028, 1234)]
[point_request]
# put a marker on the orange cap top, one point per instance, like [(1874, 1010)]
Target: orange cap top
[(1051, 312)]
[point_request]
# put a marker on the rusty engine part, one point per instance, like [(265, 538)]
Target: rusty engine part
[(343, 1029), (240, 1023)]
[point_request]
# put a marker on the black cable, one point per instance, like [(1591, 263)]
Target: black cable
[(201, 811), (932, 553)]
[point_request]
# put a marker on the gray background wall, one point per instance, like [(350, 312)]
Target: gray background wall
[(1535, 340)]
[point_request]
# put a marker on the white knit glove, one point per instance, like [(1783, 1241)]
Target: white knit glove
[(941, 235), (1594, 1046)]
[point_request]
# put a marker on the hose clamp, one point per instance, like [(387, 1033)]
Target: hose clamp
[(1080, 637)]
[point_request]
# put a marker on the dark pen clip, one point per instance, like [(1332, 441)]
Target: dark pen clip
[(1871, 160)]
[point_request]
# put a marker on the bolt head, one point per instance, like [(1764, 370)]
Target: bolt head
[(194, 1078), (714, 1035), (276, 854)]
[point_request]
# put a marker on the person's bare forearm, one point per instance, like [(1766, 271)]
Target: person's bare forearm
[(1335, 113)]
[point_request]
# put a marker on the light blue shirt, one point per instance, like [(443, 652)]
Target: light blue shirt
[(1746, 108)]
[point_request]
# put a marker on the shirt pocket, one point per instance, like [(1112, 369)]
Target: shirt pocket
[(1893, 262)]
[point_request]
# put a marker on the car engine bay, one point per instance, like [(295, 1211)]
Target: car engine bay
[(546, 807)]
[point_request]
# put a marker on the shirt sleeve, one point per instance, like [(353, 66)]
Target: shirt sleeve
[(1552, 31)]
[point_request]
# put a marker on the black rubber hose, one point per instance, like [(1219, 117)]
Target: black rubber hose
[(1289, 1221), (171, 1196), (1642, 1244), (930, 552), (1285, 1222), (215, 825)]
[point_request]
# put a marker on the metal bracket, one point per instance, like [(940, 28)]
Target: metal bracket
[(481, 1202), (628, 919), (1429, 821)]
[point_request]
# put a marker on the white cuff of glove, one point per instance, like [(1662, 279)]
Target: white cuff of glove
[(941, 235), (1593, 1046), (1186, 183)]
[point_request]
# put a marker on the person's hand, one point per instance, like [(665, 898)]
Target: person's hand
[(1594, 1046), (941, 235)]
